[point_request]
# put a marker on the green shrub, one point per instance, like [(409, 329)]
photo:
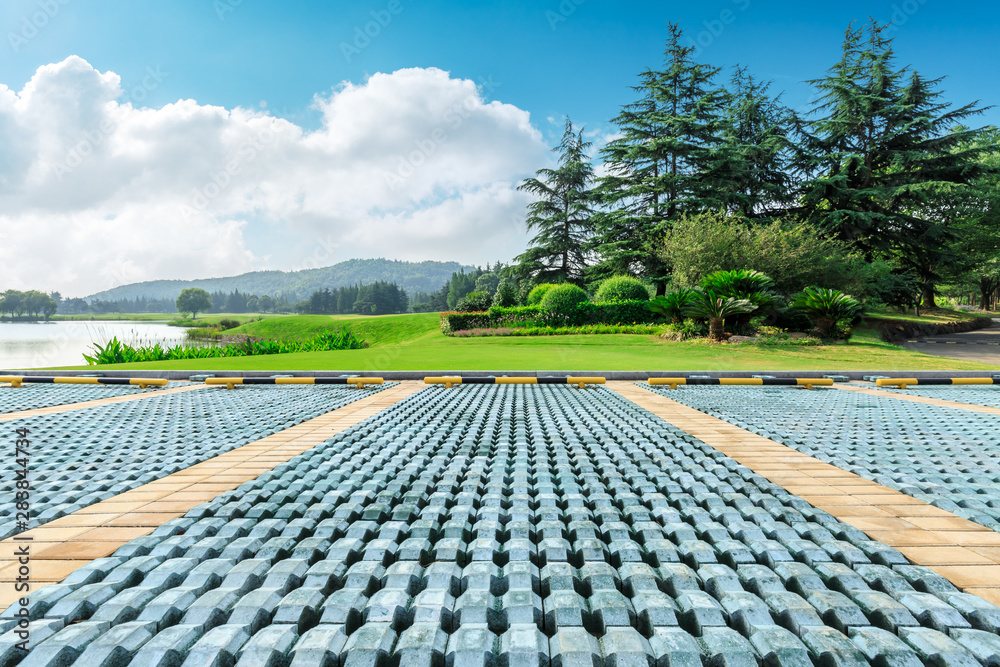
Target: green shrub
[(474, 302), (563, 299), (672, 305), (716, 308), (538, 292), (832, 313), (621, 288), (506, 295), (227, 324), (678, 331)]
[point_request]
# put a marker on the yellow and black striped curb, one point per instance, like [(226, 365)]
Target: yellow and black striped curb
[(448, 381), (902, 383), (231, 383), (17, 380), (808, 383)]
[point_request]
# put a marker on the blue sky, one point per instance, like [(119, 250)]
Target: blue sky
[(551, 58), (197, 138)]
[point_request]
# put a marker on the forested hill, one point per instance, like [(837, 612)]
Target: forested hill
[(411, 276)]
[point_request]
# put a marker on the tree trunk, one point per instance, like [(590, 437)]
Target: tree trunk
[(927, 295), (823, 327), (716, 328)]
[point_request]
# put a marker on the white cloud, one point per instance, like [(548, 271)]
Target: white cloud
[(411, 165)]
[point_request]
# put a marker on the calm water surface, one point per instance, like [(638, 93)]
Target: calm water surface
[(44, 344)]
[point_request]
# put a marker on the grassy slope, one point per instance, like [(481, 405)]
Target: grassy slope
[(413, 342), (934, 316)]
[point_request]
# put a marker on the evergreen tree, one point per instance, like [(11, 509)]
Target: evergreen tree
[(562, 215), (668, 161), (755, 148), (881, 156)]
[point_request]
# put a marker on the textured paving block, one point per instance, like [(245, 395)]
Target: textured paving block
[(270, 647), (319, 647), (723, 647), (777, 647), (471, 646), (829, 647), (884, 648), (218, 647), (934, 647)]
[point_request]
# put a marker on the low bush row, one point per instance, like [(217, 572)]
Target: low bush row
[(580, 314)]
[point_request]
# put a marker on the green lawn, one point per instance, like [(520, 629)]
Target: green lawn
[(413, 342), (212, 318), (933, 316)]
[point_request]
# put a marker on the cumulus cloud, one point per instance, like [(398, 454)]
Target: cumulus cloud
[(414, 164)]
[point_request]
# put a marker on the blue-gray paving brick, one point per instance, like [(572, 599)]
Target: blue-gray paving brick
[(574, 647), (125, 606), (523, 645), (699, 610), (65, 646), (724, 647), (38, 631), (675, 648), (936, 648), (925, 580), (207, 574), (884, 611), (81, 603), (269, 647), (837, 610), (218, 647), (792, 611), (255, 610), (777, 647), (344, 607), (985, 646), (210, 609), (980, 613), (420, 644), (678, 579), (830, 648), (168, 607), (471, 646), (885, 579), (169, 573), (745, 611), (883, 648), (759, 579), (654, 609), (390, 606), (319, 647), (434, 606), (933, 612)]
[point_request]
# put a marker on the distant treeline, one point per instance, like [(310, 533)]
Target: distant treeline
[(233, 302), (378, 298), (28, 305)]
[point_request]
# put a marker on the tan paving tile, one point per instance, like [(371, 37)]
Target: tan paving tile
[(120, 534), (970, 407), (945, 556), (75, 550), (962, 551), (988, 594)]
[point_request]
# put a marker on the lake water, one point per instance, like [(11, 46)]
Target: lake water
[(45, 344)]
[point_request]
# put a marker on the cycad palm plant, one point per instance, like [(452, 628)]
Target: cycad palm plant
[(672, 304), (827, 308), (716, 308)]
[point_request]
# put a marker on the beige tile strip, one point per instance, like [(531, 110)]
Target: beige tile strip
[(971, 407), (964, 552), (55, 409), (61, 546)]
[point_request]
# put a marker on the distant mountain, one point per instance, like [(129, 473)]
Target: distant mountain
[(411, 276)]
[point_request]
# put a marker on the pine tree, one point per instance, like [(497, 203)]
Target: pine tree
[(755, 148), (882, 155), (562, 214), (667, 162)]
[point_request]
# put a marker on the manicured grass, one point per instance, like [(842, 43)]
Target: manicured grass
[(413, 342), (934, 316)]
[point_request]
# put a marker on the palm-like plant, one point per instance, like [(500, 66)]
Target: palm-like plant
[(672, 305), (716, 308), (754, 286), (827, 308)]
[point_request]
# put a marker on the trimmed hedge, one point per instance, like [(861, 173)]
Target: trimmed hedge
[(620, 313)]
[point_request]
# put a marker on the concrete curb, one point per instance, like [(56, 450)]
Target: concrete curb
[(610, 375)]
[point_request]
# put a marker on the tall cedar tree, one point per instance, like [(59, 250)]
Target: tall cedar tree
[(757, 148), (667, 162), (562, 214), (882, 153)]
